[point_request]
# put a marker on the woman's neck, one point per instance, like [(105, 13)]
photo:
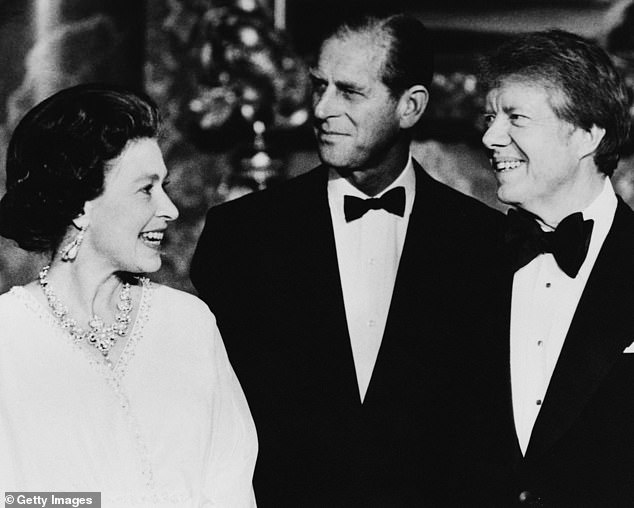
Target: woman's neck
[(85, 290)]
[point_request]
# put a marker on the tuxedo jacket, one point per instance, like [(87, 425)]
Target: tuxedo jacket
[(581, 450), (266, 264)]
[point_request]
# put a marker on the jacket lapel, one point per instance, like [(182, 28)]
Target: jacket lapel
[(602, 327), (504, 417), (397, 349), (319, 295)]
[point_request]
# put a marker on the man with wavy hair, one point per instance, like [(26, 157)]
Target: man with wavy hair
[(562, 418)]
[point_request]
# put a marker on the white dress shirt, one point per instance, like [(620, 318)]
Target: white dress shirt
[(368, 252), (543, 304)]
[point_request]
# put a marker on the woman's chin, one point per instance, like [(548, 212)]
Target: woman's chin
[(141, 267)]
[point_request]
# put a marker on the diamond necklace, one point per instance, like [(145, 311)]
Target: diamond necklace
[(99, 335)]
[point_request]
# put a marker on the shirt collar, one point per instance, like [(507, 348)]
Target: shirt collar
[(604, 205), (338, 187), (601, 210)]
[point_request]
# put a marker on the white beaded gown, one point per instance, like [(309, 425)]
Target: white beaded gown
[(167, 425)]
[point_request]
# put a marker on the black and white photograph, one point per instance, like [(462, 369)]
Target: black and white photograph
[(317, 253)]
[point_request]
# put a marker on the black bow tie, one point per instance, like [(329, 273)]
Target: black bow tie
[(392, 201), (568, 243)]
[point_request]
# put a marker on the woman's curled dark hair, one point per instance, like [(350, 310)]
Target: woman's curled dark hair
[(58, 155)]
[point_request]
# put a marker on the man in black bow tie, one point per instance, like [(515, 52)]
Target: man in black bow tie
[(562, 422), (348, 296)]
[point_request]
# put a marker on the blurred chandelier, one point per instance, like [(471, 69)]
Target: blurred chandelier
[(243, 71)]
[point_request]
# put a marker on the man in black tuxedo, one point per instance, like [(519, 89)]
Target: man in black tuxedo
[(349, 297), (561, 421)]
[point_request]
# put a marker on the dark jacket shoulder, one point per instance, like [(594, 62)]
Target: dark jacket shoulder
[(279, 196)]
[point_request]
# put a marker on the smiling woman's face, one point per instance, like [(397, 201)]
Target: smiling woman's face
[(127, 221)]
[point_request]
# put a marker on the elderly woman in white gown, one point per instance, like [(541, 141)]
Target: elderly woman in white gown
[(108, 382)]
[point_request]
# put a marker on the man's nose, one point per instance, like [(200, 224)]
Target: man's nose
[(496, 134), (325, 103)]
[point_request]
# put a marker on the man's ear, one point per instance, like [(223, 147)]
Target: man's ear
[(412, 105), (591, 138)]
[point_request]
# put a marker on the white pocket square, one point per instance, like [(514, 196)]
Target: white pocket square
[(629, 349)]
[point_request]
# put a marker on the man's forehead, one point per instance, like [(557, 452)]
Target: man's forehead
[(522, 88), (353, 55)]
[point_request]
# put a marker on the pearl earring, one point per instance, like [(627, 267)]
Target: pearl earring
[(69, 251)]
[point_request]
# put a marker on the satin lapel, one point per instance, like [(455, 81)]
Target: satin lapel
[(602, 327), (504, 414), (407, 298), (314, 270)]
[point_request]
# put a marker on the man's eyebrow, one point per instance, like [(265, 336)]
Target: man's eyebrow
[(341, 84), (504, 109), (514, 109), (348, 85), (315, 74)]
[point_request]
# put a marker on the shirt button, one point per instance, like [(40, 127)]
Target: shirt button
[(371, 323), (540, 343), (538, 402), (372, 261), (548, 284)]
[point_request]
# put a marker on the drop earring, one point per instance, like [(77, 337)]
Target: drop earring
[(69, 251)]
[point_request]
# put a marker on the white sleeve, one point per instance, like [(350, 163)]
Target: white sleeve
[(233, 449)]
